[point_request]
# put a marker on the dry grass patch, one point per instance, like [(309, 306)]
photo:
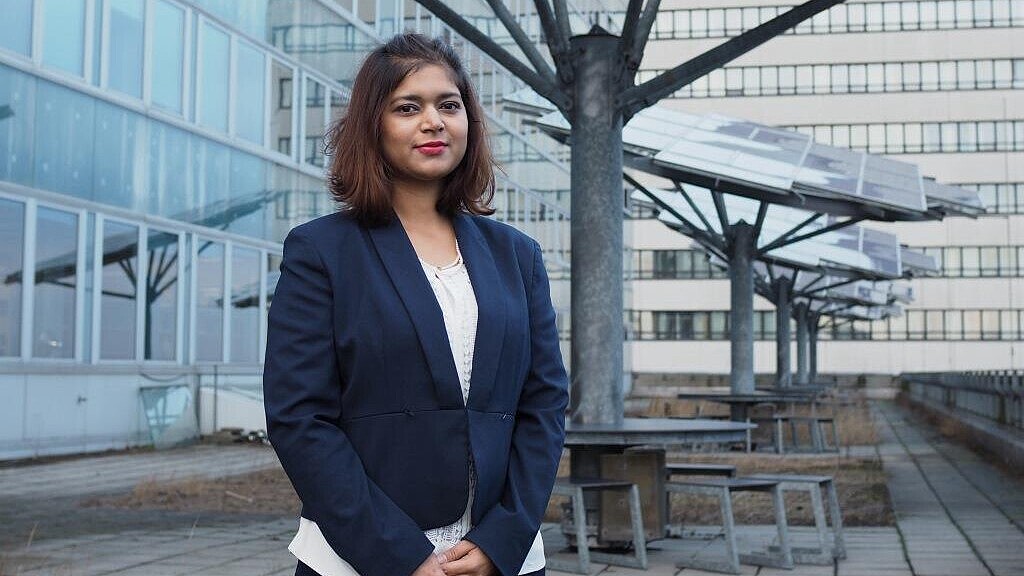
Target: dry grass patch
[(264, 492)]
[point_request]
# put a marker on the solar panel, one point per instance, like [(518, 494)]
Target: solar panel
[(831, 169), (918, 263), (738, 150), (753, 159), (893, 183), (953, 198), (843, 249)]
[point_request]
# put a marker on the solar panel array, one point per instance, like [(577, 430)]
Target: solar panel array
[(758, 159)]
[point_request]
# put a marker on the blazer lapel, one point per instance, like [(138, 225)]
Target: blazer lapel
[(490, 327), (403, 266)]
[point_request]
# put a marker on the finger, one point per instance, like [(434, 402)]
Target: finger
[(456, 552), (468, 564)]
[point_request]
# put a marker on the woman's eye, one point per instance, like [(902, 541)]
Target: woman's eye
[(450, 106), (406, 108)]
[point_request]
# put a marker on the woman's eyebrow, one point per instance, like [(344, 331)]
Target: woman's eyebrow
[(417, 98)]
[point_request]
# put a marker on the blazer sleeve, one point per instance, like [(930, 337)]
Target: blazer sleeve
[(507, 530), (302, 397)]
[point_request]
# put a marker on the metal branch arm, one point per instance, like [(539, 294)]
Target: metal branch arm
[(710, 241), (558, 43), (540, 85), (823, 230), (523, 41), (639, 97)]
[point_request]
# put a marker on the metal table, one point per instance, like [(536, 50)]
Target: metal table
[(740, 403), (588, 442)]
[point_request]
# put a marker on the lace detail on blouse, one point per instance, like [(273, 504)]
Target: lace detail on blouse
[(455, 296)]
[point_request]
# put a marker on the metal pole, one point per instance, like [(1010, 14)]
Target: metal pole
[(802, 344), (783, 306), (742, 249), (813, 348), (596, 226)]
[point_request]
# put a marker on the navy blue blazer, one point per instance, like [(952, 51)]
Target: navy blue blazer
[(363, 401)]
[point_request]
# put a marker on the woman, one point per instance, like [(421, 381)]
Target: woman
[(414, 388)]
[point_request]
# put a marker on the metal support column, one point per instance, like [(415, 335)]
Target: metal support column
[(597, 220), (802, 344), (742, 249), (812, 348), (783, 305)]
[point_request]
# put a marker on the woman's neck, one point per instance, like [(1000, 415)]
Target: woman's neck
[(415, 203)]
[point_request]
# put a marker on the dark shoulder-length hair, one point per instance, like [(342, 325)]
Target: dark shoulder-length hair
[(359, 176)]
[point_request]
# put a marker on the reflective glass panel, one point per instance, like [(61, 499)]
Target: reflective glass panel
[(245, 305), (316, 99), (213, 78), (12, 245), (168, 56), (121, 135), (118, 291), (16, 26), (209, 303), (64, 34), (171, 191), (124, 50), (64, 141), (161, 297), (17, 115), (55, 282), (250, 84), (281, 90)]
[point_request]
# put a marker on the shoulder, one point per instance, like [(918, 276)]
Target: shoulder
[(500, 234), (328, 226)]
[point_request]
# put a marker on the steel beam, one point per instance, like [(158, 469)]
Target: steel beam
[(783, 307), (742, 249), (596, 233), (802, 342)]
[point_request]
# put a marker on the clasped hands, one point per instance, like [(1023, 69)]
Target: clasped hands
[(465, 559)]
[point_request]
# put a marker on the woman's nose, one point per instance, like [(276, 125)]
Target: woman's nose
[(432, 120)]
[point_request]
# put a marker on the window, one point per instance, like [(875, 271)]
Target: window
[(16, 27), (315, 110), (250, 85), (63, 155), (168, 56), (161, 301), (12, 246), (56, 283), (64, 35), (246, 274), (119, 290), (282, 85), (213, 76), (209, 301), (125, 46)]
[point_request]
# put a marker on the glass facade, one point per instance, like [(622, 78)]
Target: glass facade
[(12, 246), (210, 116)]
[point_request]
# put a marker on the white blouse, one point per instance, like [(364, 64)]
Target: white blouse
[(454, 293)]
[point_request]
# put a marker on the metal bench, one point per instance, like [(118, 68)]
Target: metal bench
[(574, 489), (723, 488), (690, 469), (823, 554), (816, 426)]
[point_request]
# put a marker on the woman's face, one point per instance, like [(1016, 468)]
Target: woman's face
[(424, 126)]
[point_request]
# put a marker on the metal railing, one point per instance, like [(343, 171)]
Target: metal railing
[(994, 395)]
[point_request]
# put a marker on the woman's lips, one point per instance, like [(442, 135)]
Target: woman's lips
[(432, 149)]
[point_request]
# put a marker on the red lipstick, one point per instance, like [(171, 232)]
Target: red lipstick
[(432, 148)]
